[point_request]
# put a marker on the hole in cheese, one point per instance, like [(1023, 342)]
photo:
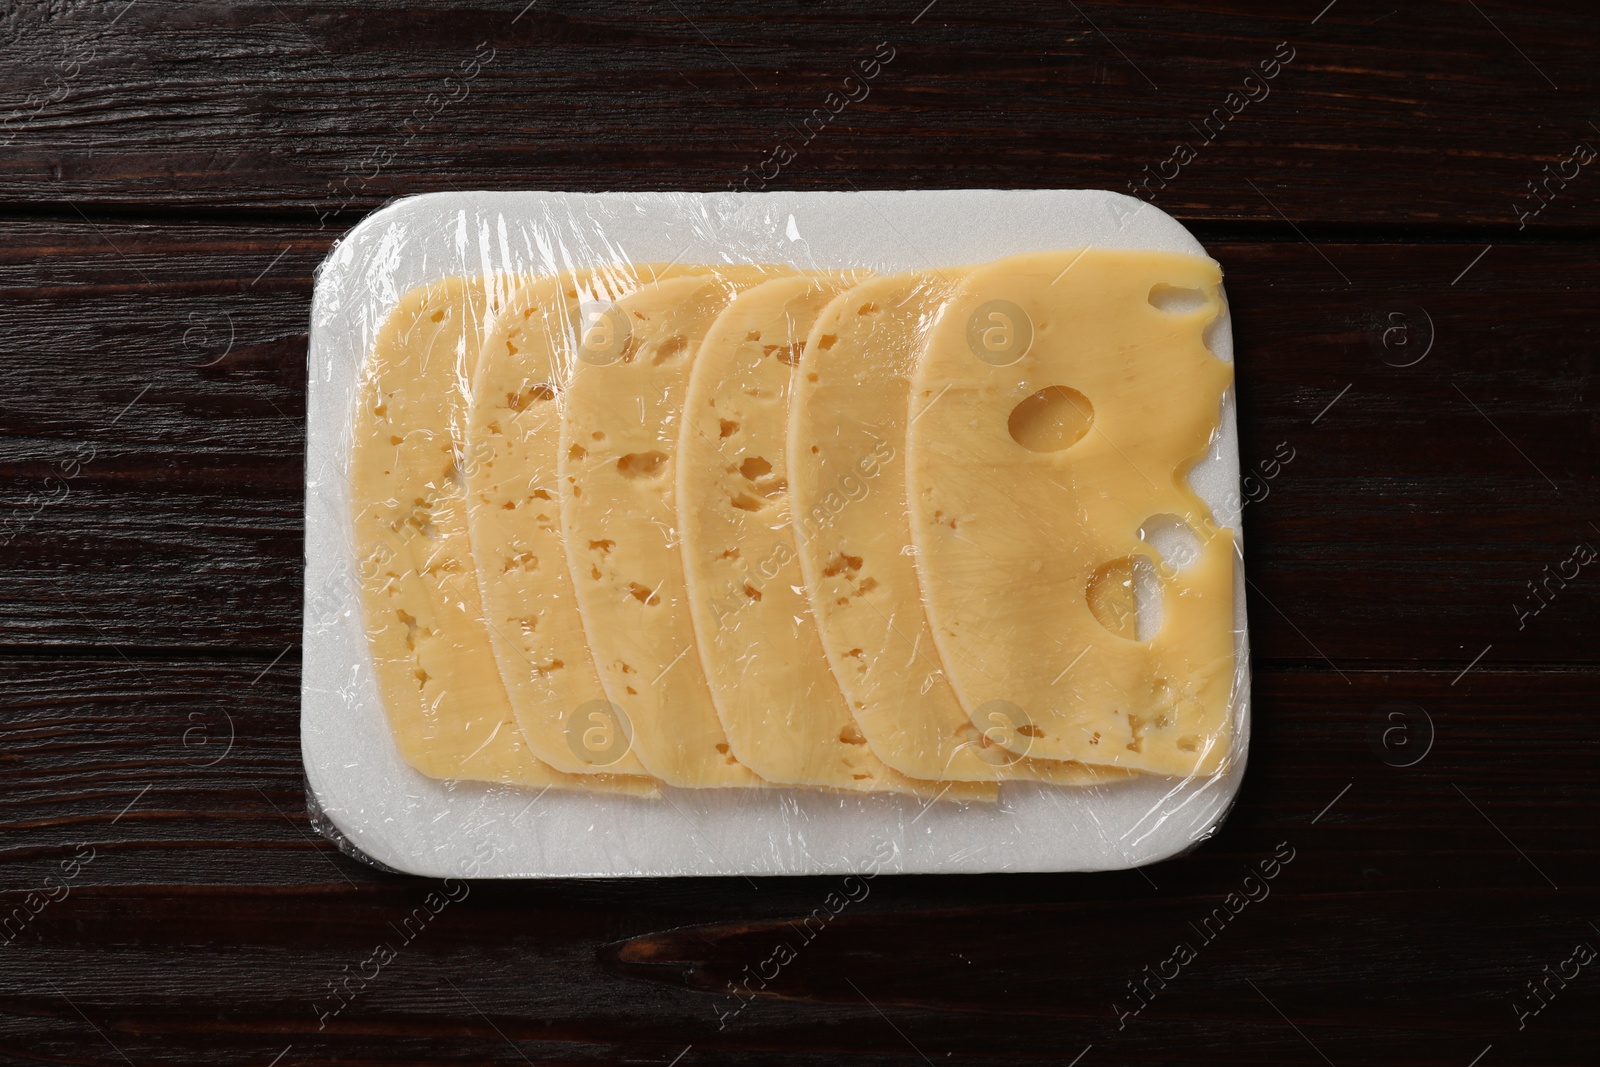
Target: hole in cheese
[(411, 626), (641, 464), (420, 519), (1124, 596), (671, 348), (1176, 299), (757, 470), (729, 427), (533, 394), (843, 563), (1050, 420), (1136, 728), (787, 354), (522, 561)]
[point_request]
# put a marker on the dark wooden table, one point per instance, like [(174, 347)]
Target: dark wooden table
[(1404, 198)]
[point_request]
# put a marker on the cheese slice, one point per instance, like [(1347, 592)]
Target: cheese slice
[(847, 488), (514, 427), (1055, 412), (446, 707), (617, 462), (783, 711)]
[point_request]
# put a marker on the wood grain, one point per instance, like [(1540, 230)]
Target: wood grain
[(1431, 115)]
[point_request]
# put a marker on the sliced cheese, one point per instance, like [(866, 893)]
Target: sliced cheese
[(783, 711), (514, 427), (617, 463), (447, 709), (847, 491), (1055, 411)]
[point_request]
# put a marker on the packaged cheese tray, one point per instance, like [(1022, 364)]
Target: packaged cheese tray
[(771, 533)]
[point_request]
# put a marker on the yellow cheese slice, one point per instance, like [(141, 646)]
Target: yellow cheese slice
[(436, 675), (1057, 410), (514, 427), (783, 711), (847, 488), (617, 461)]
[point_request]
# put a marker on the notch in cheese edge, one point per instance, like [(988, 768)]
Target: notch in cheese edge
[(1010, 539), (447, 710), (846, 464), (775, 692)]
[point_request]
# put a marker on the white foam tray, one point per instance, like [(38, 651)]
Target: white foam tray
[(404, 820)]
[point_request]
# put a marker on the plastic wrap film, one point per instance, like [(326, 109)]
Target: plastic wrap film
[(771, 533)]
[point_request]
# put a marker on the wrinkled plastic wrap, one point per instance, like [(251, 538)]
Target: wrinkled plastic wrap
[(761, 533)]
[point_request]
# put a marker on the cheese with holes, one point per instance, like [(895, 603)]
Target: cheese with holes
[(617, 463), (446, 706), (783, 711), (513, 427), (847, 491), (1055, 411)]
